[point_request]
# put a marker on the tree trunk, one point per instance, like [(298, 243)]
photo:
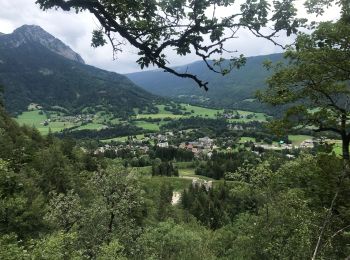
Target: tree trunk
[(345, 148), (110, 225)]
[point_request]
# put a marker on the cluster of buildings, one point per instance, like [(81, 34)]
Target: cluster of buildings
[(162, 139), (88, 118), (134, 148), (309, 143), (204, 146), (83, 119)]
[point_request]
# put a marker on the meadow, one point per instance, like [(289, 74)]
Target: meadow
[(192, 111), (36, 119), (101, 119)]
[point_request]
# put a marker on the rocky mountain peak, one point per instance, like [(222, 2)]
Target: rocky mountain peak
[(28, 34)]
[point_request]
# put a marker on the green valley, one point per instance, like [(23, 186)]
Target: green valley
[(227, 157)]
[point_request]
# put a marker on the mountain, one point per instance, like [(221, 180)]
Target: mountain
[(28, 34), (235, 90), (35, 67)]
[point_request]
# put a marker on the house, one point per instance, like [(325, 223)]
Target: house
[(162, 138), (206, 141), (163, 145), (307, 144)]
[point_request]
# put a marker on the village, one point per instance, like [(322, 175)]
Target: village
[(201, 148)]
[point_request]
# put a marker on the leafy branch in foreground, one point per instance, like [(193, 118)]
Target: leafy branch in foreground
[(186, 26)]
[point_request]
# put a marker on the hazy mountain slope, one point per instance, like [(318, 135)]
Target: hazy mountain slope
[(228, 91), (35, 67)]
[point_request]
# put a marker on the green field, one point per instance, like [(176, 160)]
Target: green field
[(153, 183), (148, 125), (190, 174), (261, 117), (298, 139), (202, 111), (90, 126), (36, 119), (245, 139), (194, 110), (160, 115)]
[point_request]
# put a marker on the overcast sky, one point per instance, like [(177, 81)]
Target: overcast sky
[(75, 30)]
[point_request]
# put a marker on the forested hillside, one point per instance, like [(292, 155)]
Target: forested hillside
[(60, 202), (234, 90), (37, 68), (100, 171)]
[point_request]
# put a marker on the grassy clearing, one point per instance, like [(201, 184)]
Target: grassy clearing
[(36, 119), (202, 111), (245, 139), (160, 115), (90, 126), (147, 125), (194, 110), (261, 117), (189, 173), (31, 118), (298, 139)]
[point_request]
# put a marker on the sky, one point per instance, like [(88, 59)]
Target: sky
[(75, 31)]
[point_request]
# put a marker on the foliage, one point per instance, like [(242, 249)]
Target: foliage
[(169, 240), (115, 131), (164, 169), (315, 83), (154, 27), (171, 153), (221, 163), (60, 203)]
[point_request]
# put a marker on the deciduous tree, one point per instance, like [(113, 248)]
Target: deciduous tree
[(187, 26), (314, 83)]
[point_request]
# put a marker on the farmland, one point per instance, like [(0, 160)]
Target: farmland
[(46, 121)]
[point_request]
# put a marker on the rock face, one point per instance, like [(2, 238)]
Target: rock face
[(36, 35)]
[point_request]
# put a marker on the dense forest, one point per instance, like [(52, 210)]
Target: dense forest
[(59, 202)]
